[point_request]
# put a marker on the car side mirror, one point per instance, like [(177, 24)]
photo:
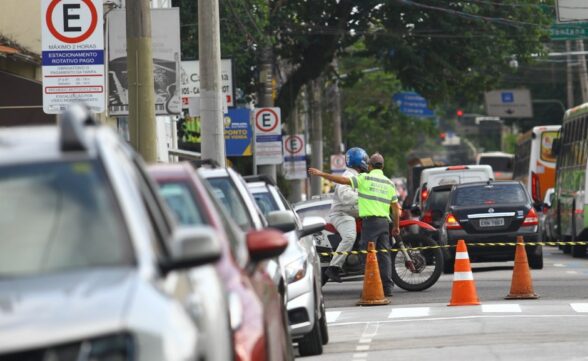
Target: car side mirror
[(265, 244), (311, 225), (284, 221), (191, 247)]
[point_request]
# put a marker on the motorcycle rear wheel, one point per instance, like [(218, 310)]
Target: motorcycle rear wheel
[(428, 264)]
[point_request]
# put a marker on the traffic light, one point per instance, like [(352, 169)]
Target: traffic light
[(459, 113)]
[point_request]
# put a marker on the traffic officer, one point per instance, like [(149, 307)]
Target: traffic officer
[(376, 198)]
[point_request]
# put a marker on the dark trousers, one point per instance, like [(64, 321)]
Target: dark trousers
[(377, 230)]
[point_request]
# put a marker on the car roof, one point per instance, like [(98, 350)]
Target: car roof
[(312, 203), (163, 171), (477, 184)]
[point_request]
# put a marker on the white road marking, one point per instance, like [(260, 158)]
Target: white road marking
[(572, 272), (365, 340), (558, 265), (362, 348), (332, 316), (360, 355), (371, 330), (501, 308), (410, 312), (580, 307)]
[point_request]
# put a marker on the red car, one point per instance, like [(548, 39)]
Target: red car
[(241, 267)]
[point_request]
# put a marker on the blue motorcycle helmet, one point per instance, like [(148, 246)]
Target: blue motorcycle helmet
[(357, 158)]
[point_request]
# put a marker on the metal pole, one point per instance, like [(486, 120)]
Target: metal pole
[(266, 98), (316, 134), (583, 76), (569, 76), (337, 135), (211, 109), (142, 127)]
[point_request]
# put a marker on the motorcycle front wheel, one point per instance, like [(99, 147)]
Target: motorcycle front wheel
[(428, 263)]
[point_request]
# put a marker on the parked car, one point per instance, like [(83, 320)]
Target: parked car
[(435, 205), (192, 202), (306, 307), (230, 190), (91, 264), (491, 212), (457, 174), (547, 217)]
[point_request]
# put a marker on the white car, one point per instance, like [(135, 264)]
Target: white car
[(306, 308)]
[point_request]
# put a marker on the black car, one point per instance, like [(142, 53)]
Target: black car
[(435, 205), (493, 212)]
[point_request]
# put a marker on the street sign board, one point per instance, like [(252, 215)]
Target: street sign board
[(570, 11), (238, 132), (72, 54), (512, 103), (338, 163), (294, 157), (573, 31), (268, 136), (190, 81), (412, 104)]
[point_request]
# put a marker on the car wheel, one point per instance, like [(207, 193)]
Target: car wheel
[(324, 328), (312, 344), (536, 259), (578, 251)]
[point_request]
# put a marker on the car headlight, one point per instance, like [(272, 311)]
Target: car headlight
[(235, 311), (296, 270)]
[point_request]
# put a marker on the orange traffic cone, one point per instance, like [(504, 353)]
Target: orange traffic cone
[(521, 287), (373, 291), (463, 292)]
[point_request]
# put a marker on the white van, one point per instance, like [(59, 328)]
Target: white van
[(457, 174)]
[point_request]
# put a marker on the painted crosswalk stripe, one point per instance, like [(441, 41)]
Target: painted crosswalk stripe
[(332, 316), (558, 265), (572, 272), (410, 312), (501, 308), (580, 307), (362, 348)]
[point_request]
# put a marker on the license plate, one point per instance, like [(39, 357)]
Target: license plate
[(492, 222)]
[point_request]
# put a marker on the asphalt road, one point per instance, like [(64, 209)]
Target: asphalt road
[(420, 326)]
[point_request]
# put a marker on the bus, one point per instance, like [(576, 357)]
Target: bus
[(569, 204), (502, 164), (534, 161)]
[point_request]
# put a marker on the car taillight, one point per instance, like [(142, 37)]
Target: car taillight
[(531, 219), (428, 217), (535, 187), (424, 195), (451, 222)]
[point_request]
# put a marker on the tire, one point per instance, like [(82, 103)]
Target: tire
[(429, 262), (324, 277), (567, 249), (312, 344), (323, 325), (536, 259), (578, 251)]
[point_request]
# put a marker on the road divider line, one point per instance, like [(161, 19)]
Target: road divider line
[(572, 272), (357, 356), (362, 348), (410, 312), (332, 316), (580, 307), (501, 308), (365, 340), (558, 265)]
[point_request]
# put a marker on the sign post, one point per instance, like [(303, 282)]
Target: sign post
[(268, 136), (509, 103), (72, 54), (295, 157)]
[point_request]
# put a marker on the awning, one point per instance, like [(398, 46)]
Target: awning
[(21, 101)]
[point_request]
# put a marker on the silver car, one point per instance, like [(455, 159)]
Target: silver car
[(301, 263), (91, 265)]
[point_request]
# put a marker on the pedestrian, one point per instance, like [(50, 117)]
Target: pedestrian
[(376, 200), (344, 211)]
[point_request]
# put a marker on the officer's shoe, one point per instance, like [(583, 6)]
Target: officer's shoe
[(334, 273)]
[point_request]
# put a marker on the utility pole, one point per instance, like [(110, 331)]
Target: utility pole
[(211, 109), (142, 126), (569, 76), (336, 111), (316, 134), (266, 98), (583, 70)]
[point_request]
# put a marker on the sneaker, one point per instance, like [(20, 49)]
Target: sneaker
[(388, 293), (334, 273)]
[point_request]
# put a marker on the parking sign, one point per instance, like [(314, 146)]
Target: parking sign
[(72, 54)]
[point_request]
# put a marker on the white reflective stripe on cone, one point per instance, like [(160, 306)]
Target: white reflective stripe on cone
[(462, 255), (463, 276)]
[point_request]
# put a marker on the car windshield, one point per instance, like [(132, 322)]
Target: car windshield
[(59, 216), (489, 194), (438, 199), (265, 202), (321, 210), (228, 195), (180, 199), (498, 164)]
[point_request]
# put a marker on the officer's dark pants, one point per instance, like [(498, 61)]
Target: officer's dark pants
[(376, 229)]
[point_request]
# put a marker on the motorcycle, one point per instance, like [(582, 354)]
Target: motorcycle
[(417, 261)]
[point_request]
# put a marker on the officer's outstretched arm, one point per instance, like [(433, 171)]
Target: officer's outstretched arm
[(332, 177)]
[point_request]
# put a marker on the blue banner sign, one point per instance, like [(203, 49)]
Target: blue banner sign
[(412, 104), (238, 133)]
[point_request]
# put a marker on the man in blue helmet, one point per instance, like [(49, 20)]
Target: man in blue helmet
[(344, 210)]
